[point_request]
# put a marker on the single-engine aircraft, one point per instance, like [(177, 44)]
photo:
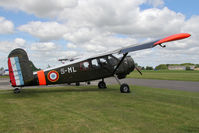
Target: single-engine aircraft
[(87, 69)]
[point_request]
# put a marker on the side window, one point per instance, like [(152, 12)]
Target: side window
[(103, 61), (95, 63), (84, 65)]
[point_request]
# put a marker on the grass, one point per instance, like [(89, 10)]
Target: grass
[(4, 76), (90, 110), (167, 75)]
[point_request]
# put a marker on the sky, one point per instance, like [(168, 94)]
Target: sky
[(49, 30)]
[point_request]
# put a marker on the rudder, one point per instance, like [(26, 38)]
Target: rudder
[(20, 68)]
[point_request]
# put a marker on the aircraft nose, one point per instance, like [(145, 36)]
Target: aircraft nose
[(131, 64)]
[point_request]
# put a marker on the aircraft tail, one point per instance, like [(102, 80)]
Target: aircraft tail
[(20, 68)]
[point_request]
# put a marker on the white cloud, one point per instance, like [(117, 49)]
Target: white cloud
[(106, 43), (6, 26), (80, 35), (44, 8), (71, 45), (45, 31), (43, 46), (192, 26), (156, 3), (20, 41), (7, 46)]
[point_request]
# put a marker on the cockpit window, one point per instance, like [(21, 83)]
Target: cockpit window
[(112, 60)]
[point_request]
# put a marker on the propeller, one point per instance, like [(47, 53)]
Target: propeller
[(138, 70)]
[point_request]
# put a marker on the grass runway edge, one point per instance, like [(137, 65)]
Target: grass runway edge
[(88, 109)]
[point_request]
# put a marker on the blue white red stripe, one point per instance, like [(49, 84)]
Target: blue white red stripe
[(16, 70)]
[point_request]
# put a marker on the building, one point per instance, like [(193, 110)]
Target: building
[(197, 69), (4, 72), (176, 67), (180, 67)]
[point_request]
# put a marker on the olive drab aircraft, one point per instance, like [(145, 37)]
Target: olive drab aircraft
[(79, 70)]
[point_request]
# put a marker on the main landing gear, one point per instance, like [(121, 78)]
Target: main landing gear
[(17, 90), (102, 84), (124, 88), (77, 84)]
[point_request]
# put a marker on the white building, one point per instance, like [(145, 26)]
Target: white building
[(180, 67)]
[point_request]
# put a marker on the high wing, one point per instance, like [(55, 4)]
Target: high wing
[(155, 43), (147, 45)]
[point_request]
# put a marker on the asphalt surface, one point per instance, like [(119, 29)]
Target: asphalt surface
[(165, 84)]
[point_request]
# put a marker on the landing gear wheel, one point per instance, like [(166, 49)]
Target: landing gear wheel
[(77, 84), (17, 90), (102, 85), (88, 83), (125, 88)]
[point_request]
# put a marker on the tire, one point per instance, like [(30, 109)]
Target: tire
[(102, 85), (124, 88), (16, 90), (77, 84)]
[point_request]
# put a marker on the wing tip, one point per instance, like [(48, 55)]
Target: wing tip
[(173, 38)]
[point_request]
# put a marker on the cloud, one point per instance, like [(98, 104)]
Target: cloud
[(7, 46), (44, 8), (89, 19), (45, 31), (6, 26), (156, 3), (71, 45), (45, 53), (122, 17), (45, 46)]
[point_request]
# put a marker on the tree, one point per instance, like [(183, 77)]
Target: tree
[(1, 69), (188, 68), (149, 68), (161, 67), (136, 64)]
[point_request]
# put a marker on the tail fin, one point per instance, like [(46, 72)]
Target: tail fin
[(20, 68)]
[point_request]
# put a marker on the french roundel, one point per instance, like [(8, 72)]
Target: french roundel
[(53, 76)]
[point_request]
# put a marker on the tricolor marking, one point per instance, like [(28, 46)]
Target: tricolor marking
[(15, 72), (53, 76)]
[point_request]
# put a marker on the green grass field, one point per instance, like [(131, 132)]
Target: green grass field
[(167, 75), (4, 76), (90, 110)]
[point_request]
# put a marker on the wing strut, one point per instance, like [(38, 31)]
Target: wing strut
[(118, 65)]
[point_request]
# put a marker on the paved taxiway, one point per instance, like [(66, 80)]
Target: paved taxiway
[(169, 84)]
